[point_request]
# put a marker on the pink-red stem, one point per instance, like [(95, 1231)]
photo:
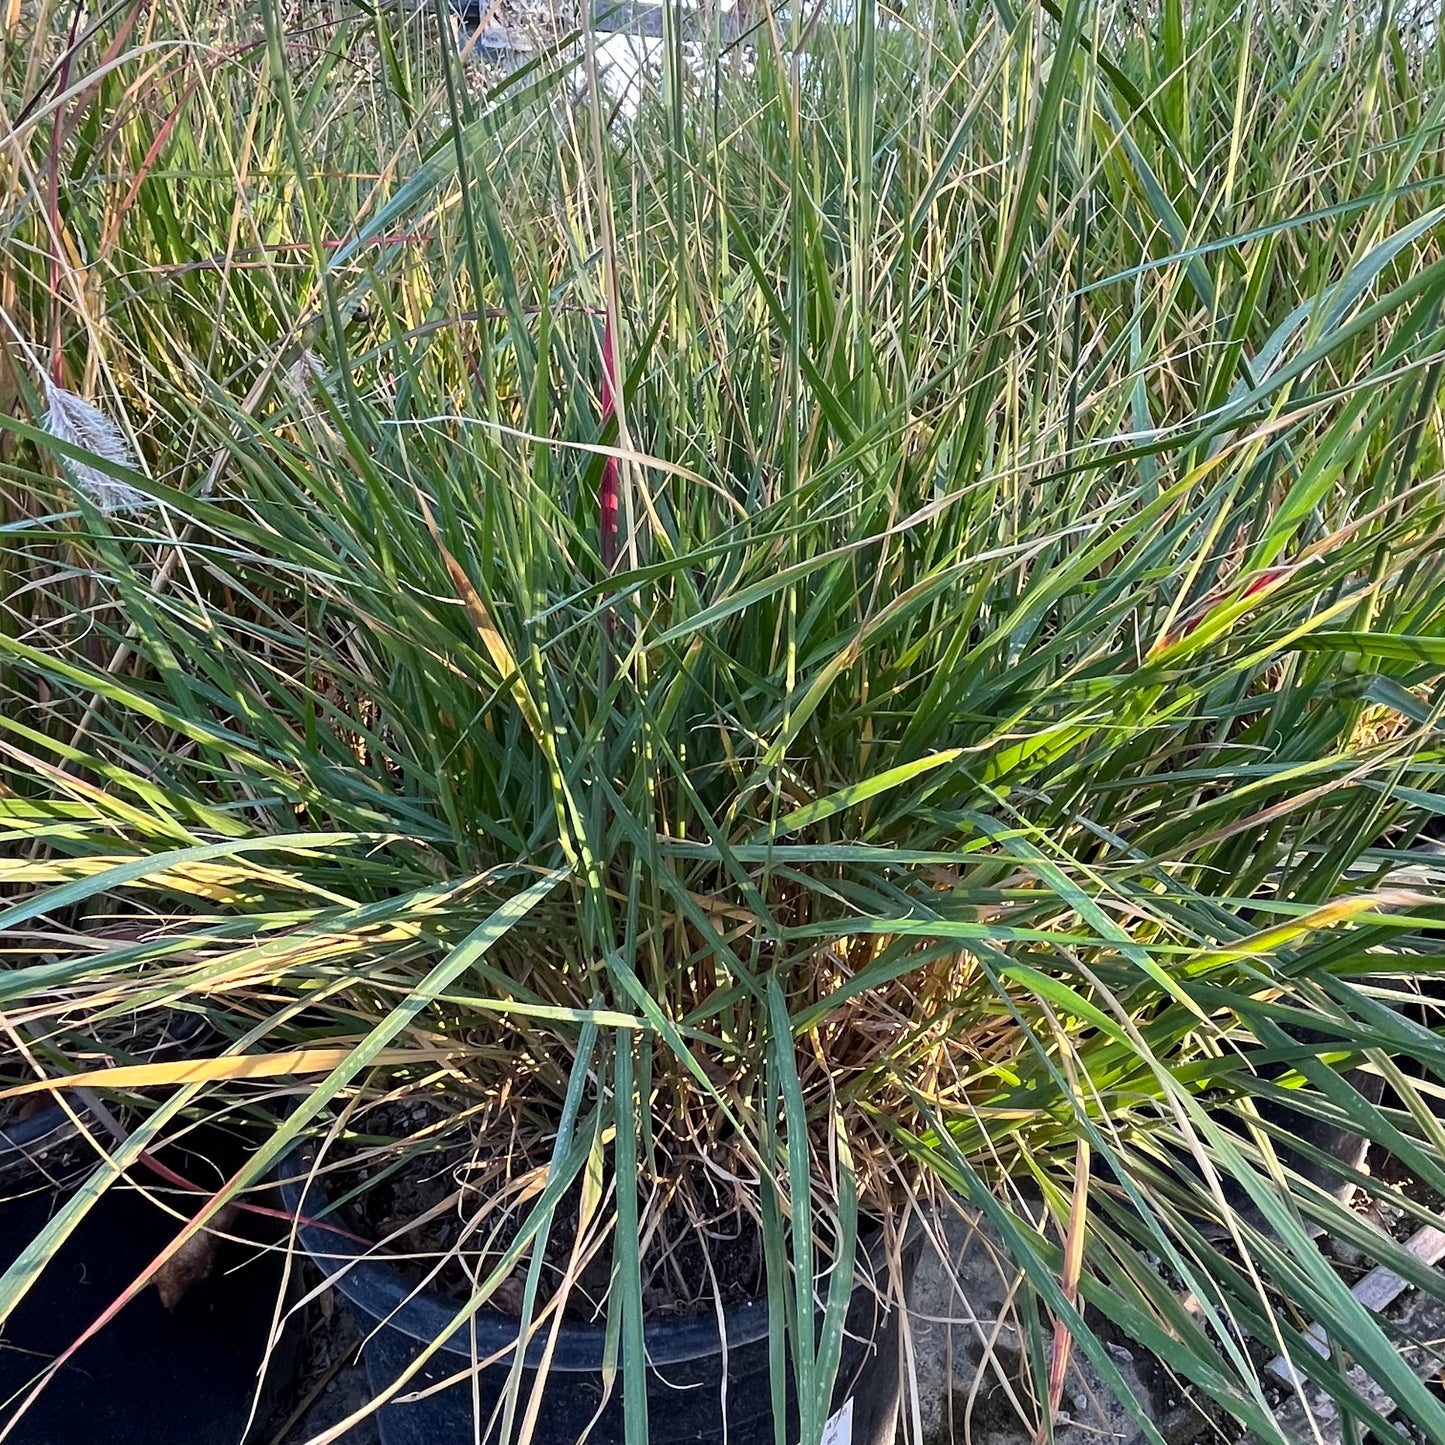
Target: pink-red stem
[(607, 498)]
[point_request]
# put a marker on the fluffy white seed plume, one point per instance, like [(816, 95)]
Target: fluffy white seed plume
[(74, 420), (307, 376)]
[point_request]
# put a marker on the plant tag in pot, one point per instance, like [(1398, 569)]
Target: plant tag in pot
[(838, 1428)]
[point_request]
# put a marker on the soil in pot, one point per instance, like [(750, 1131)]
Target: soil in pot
[(449, 1211), (696, 1390), (151, 1374)]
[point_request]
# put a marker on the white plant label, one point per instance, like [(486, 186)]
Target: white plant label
[(838, 1429)]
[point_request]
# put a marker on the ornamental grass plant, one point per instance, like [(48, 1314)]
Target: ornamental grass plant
[(861, 618)]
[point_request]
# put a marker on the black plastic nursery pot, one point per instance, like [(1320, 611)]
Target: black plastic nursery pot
[(150, 1376), (697, 1390)]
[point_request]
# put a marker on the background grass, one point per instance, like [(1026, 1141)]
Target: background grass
[(1013, 713)]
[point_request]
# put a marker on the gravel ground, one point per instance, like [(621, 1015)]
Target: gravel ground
[(332, 1381)]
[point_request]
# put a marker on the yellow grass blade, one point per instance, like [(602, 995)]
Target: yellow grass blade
[(228, 1067)]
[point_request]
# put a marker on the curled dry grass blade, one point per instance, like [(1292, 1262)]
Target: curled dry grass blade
[(1012, 731)]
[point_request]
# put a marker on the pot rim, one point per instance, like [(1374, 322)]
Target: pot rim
[(23, 1137), (377, 1289)]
